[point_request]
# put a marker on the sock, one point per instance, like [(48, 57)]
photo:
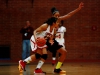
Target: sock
[(58, 65), (28, 60), (53, 58), (40, 63)]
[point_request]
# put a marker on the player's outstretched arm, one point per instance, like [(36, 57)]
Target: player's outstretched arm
[(81, 5)]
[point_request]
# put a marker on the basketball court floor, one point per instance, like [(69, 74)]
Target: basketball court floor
[(73, 68)]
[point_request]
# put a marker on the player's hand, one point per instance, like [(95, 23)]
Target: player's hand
[(51, 42), (81, 5)]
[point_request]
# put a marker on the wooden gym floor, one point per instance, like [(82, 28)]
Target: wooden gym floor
[(75, 68)]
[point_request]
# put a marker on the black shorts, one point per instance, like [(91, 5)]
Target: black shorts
[(53, 48)]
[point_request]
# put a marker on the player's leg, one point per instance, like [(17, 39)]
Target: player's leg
[(41, 61), (63, 53), (22, 63), (53, 58)]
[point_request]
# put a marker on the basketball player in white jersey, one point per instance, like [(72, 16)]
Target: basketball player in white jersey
[(60, 34), (59, 37), (47, 31)]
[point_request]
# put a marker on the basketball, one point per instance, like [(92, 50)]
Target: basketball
[(40, 41)]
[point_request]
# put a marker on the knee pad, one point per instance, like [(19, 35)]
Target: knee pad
[(37, 56), (44, 56)]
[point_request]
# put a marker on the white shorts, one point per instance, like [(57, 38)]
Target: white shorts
[(61, 41), (34, 44)]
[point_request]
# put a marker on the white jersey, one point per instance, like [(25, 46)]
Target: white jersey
[(60, 35), (42, 34)]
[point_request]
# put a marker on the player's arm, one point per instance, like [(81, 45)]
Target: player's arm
[(55, 32), (40, 29), (52, 37), (71, 13)]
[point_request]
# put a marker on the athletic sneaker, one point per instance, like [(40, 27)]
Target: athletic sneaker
[(38, 70), (57, 70), (53, 62), (22, 65)]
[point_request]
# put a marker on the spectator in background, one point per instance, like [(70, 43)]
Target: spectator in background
[(27, 32)]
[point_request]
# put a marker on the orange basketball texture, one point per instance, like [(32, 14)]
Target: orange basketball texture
[(40, 41)]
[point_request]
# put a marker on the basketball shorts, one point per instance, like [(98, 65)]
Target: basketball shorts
[(53, 48)]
